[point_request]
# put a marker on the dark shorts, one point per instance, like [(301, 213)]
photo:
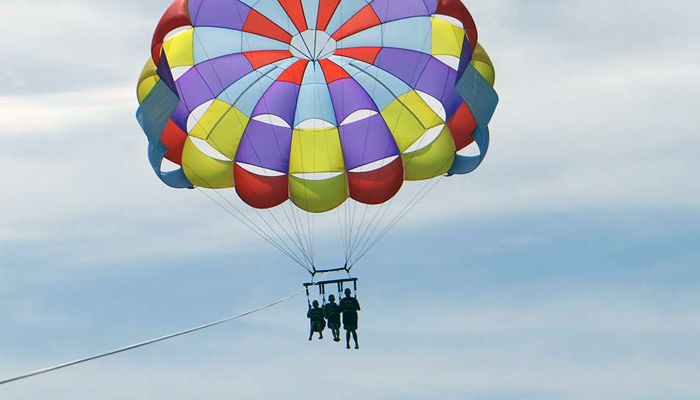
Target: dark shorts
[(318, 326), (350, 321), (349, 327)]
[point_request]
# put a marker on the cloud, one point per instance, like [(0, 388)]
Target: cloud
[(65, 113), (576, 344), (561, 137), (596, 122)]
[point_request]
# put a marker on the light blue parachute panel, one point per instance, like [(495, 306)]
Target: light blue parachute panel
[(253, 42), (366, 38), (219, 42), (408, 34), (310, 12), (314, 100), (346, 9), (153, 115), (482, 99), (382, 86), (273, 11), (246, 92)]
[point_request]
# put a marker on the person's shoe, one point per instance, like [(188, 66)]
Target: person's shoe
[(336, 340), (320, 337), (347, 347), (309, 339), (357, 347)]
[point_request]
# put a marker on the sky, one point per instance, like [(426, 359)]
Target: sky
[(564, 268)]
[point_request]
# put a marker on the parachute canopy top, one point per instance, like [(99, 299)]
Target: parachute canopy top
[(312, 101), (307, 106)]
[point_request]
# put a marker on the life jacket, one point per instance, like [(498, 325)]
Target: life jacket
[(332, 311), (315, 314), (349, 304)]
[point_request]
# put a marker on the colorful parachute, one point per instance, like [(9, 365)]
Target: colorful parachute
[(314, 100)]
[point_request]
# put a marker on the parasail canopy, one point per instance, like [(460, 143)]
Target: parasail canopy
[(315, 101)]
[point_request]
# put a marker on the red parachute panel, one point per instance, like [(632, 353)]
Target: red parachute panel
[(173, 139), (365, 18), (260, 191), (462, 125), (174, 17), (295, 73), (378, 186), (258, 24)]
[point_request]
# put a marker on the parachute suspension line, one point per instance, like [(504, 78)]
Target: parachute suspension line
[(364, 248), (306, 252), (312, 233), (347, 211), (250, 224), (152, 341), (396, 220), (345, 232), (364, 239), (348, 234), (297, 229), (360, 228), (342, 233), (350, 207), (298, 242), (305, 255), (360, 236), (282, 242), (409, 206), (348, 214), (260, 233), (374, 184), (306, 204), (300, 222)]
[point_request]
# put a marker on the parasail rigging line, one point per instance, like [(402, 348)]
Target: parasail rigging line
[(308, 250), (260, 231), (305, 252), (362, 229), (361, 246), (396, 220), (292, 256), (364, 248), (152, 341)]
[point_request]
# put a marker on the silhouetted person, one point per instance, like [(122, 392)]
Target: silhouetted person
[(318, 323), (349, 306), (332, 313)]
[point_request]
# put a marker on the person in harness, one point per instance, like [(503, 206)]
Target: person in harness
[(332, 313), (349, 306), (318, 323)]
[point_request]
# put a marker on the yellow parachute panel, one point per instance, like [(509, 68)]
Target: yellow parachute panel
[(408, 117), (204, 171), (448, 38), (179, 49), (432, 160), (318, 196), (316, 150)]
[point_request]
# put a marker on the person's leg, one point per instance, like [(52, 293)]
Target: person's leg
[(354, 336), (347, 339), (311, 333)]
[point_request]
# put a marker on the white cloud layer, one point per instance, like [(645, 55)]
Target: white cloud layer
[(597, 114)]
